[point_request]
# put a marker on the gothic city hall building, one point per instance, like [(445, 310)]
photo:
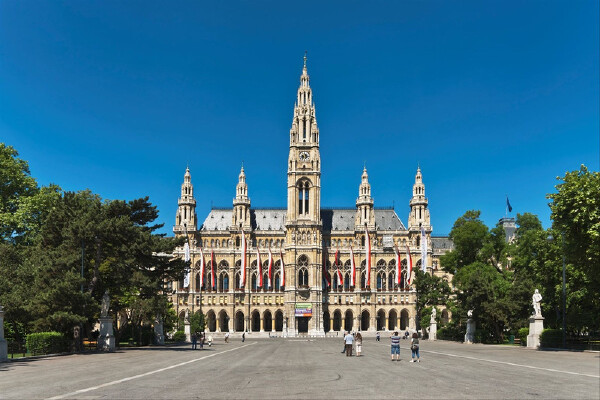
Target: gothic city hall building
[(304, 269)]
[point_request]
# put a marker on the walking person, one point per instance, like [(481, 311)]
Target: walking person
[(414, 347), (194, 341), (210, 339), (395, 339), (201, 339), (349, 339), (243, 337), (227, 337), (377, 337), (358, 344)]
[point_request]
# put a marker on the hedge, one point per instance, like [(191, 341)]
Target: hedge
[(522, 335), (46, 343), (551, 338), (179, 336)]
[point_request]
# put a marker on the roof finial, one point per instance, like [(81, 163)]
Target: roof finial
[(305, 53)]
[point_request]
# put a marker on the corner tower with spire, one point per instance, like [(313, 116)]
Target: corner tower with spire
[(186, 211), (364, 204), (241, 204)]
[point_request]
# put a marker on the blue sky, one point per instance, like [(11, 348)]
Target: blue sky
[(490, 98)]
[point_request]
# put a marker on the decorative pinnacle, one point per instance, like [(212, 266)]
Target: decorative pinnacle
[(305, 53)]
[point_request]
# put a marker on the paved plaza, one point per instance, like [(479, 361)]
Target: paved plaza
[(306, 368)]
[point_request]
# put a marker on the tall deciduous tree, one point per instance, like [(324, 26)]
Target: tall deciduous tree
[(576, 228)]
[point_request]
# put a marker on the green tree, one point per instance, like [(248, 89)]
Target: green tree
[(431, 291), (576, 229), (468, 235)]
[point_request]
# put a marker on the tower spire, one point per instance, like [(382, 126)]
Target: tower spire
[(186, 211), (364, 203), (241, 202), (419, 213)]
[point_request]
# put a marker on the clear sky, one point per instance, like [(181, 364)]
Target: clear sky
[(490, 98)]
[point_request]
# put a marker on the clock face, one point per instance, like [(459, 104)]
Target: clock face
[(304, 156)]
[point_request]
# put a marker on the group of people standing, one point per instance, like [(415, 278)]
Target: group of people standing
[(199, 337), (356, 339)]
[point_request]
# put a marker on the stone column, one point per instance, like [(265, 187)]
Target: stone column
[(272, 324), (187, 331), (433, 330), (262, 325), (3, 344), (216, 324), (159, 337), (470, 335), (106, 338), (536, 326)]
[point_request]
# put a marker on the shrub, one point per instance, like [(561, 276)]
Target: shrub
[(179, 336), (522, 335), (551, 338), (451, 332), (46, 343)]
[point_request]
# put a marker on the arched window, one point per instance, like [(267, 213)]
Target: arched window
[(238, 273), (404, 268), (223, 282), (277, 282), (303, 277), (363, 280), (197, 286), (391, 280), (253, 282), (303, 197), (381, 280)]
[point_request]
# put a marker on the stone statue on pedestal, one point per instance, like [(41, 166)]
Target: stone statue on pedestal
[(433, 315), (536, 321), (105, 304), (470, 335), (536, 301)]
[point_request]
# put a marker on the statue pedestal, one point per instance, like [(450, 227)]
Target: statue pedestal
[(433, 331), (536, 326), (470, 335), (106, 339), (187, 331), (3, 344), (159, 337)]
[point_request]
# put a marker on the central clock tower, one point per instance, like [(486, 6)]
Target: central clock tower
[(304, 162)]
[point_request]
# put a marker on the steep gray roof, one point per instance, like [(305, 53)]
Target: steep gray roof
[(442, 243), (266, 219)]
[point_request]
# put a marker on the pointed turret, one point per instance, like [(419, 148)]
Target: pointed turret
[(419, 213), (241, 203), (364, 203), (304, 123), (186, 212)]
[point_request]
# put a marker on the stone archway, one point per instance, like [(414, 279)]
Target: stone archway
[(223, 321), (348, 320), (337, 321), (278, 321), (239, 321), (365, 320), (255, 321), (326, 322), (268, 321), (380, 320), (392, 320), (404, 319), (211, 321)]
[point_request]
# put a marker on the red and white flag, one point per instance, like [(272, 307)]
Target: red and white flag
[(186, 258), (259, 281), (270, 270), (409, 266), (243, 263), (352, 268), (282, 269), (212, 270), (338, 272), (398, 267), (201, 269), (368, 255), (325, 273)]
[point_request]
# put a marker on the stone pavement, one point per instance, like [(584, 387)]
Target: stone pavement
[(306, 368)]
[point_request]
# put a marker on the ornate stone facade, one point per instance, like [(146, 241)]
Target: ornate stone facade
[(306, 237)]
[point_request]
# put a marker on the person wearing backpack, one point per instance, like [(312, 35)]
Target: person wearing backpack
[(414, 347)]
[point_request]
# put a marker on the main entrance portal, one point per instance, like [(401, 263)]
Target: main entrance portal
[(303, 324)]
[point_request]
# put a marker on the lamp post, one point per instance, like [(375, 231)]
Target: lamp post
[(564, 289)]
